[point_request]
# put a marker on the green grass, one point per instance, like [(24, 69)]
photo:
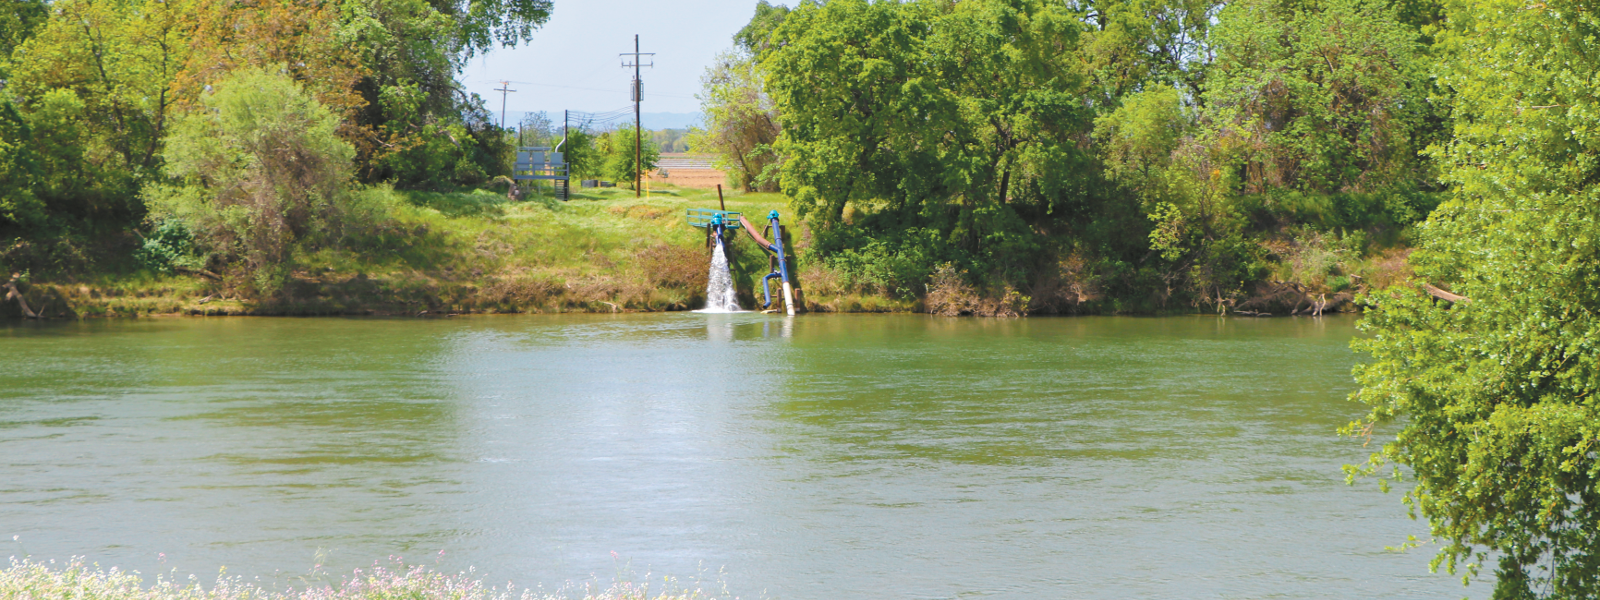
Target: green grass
[(476, 251)]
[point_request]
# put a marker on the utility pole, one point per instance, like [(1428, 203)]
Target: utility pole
[(505, 87), (638, 95)]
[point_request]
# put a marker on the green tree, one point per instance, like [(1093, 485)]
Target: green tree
[(741, 122), (1496, 396), (1324, 97), (19, 19), (625, 161), (423, 131), (95, 82), (263, 168), (1136, 45), (949, 126), (19, 170), (583, 153)]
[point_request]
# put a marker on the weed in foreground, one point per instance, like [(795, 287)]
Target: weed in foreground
[(29, 580)]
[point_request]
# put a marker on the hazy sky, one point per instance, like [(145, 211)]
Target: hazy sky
[(572, 62)]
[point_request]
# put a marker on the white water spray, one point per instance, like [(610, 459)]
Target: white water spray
[(720, 296)]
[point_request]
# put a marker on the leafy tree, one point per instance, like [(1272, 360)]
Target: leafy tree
[(19, 19), (96, 79), (263, 168), (755, 37), (1323, 97), (302, 37), (741, 122), (1154, 148), (625, 161), (1138, 45), (583, 153), (19, 170), (963, 120), (1496, 396), (537, 129), (425, 132)]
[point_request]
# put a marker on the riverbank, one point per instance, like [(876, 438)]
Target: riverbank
[(475, 252), (28, 580), (606, 251)]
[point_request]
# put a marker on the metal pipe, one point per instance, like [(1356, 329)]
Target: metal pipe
[(783, 263), (767, 291)]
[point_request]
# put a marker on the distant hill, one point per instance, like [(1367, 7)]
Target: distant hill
[(650, 120), (670, 120)]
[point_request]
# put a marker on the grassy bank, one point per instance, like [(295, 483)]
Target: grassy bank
[(26, 580), (474, 252)]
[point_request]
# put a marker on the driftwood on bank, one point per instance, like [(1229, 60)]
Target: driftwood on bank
[(1444, 295), (12, 292), (201, 272)]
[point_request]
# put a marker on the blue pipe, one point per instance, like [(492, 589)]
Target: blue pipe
[(777, 245), (766, 291)]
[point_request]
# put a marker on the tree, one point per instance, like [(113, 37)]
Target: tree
[(263, 168), (741, 122), (19, 170), (1495, 395), (424, 131), (1140, 45), (19, 19), (97, 79), (954, 125), (1323, 97), (624, 161)]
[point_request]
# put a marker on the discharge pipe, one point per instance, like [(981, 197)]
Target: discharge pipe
[(775, 247)]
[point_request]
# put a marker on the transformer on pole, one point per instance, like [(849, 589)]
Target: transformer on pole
[(637, 90)]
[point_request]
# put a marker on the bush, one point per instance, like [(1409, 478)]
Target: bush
[(262, 169), (169, 246)]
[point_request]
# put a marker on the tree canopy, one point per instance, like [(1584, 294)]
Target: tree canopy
[(1496, 394)]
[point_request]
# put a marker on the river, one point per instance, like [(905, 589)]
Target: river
[(835, 457)]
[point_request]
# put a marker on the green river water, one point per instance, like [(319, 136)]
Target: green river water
[(827, 457)]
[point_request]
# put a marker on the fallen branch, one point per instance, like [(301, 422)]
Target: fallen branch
[(11, 292), (201, 272), (613, 306), (1443, 295)]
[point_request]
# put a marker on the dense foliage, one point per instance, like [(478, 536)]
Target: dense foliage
[(1496, 394), (92, 90), (262, 168), (1135, 152)]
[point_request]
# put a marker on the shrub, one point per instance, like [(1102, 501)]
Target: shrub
[(168, 246), (262, 168)]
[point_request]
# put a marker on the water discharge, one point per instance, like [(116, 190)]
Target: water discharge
[(720, 295)]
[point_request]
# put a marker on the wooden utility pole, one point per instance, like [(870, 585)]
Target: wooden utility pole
[(505, 87), (638, 96)]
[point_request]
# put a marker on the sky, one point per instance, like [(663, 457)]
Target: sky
[(572, 63)]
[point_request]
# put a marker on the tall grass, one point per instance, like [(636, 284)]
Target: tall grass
[(74, 580)]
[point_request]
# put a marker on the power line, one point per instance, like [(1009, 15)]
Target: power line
[(587, 89)]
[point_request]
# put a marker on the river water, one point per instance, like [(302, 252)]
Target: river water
[(829, 457)]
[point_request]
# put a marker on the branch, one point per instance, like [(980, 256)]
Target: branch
[(11, 292), (1444, 295)]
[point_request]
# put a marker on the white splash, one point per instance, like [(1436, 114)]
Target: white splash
[(720, 297)]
